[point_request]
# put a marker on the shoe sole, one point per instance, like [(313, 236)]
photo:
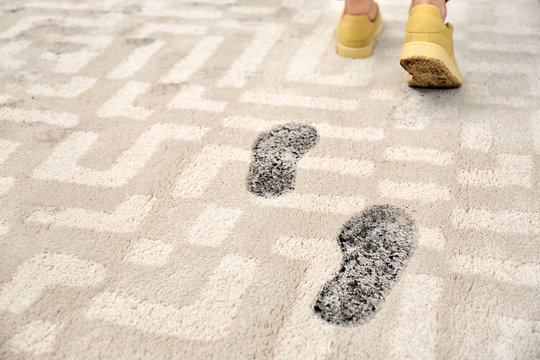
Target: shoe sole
[(358, 53), (429, 65)]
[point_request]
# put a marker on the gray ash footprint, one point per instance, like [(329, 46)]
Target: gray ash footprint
[(275, 156), (376, 247)]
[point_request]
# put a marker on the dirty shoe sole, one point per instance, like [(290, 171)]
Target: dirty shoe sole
[(357, 53), (429, 65)]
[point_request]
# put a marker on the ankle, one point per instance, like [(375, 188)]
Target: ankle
[(441, 4), (361, 7)]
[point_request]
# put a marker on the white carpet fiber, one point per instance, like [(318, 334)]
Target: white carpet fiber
[(133, 223)]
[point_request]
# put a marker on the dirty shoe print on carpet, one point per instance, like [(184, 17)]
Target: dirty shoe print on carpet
[(209, 180)]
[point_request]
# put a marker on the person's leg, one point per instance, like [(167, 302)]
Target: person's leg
[(367, 7), (441, 4), (361, 7)]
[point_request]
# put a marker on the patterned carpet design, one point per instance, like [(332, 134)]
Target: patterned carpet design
[(209, 180)]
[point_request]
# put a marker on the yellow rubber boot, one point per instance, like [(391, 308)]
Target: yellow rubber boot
[(356, 34), (428, 50)]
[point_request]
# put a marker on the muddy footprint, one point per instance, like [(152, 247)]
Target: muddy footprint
[(275, 156), (376, 247)]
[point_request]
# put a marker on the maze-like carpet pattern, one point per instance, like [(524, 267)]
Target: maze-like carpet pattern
[(132, 219)]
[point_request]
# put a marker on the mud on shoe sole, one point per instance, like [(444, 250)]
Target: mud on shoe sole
[(429, 65)]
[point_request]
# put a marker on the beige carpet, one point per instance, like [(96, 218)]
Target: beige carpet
[(136, 220)]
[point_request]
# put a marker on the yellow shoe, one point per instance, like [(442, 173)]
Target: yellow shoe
[(356, 34), (428, 50)]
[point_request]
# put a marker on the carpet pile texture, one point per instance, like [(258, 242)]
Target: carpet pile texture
[(209, 180)]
